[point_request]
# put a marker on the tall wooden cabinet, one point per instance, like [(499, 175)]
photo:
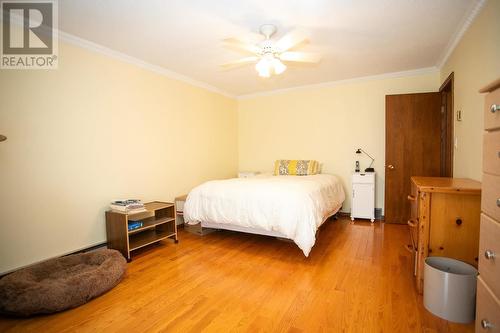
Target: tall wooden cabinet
[(444, 220), (488, 283)]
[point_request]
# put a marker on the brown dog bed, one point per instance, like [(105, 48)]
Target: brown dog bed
[(61, 283)]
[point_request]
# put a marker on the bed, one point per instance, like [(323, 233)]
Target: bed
[(291, 207)]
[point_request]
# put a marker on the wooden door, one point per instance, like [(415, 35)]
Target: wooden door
[(412, 147)]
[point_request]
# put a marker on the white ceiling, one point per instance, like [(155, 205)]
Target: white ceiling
[(357, 38)]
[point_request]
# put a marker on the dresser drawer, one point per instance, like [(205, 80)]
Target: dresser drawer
[(487, 309), (490, 202), (489, 245), (492, 119), (491, 152), (413, 220)]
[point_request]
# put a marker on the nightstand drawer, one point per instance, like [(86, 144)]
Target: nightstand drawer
[(489, 253), (363, 178)]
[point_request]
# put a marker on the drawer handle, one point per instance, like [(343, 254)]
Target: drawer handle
[(412, 198), (412, 223), (458, 221), (498, 202), (494, 108), (486, 324), (488, 254)]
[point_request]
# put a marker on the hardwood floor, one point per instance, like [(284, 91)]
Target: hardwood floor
[(357, 279)]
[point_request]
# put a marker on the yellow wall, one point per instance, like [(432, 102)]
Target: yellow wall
[(323, 123), (95, 130), (98, 129), (475, 62)]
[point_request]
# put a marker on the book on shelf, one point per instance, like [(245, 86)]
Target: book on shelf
[(126, 202), (129, 211), (131, 206), (125, 208), (132, 225), (136, 211)]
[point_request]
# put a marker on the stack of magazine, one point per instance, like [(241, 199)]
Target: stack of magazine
[(130, 206)]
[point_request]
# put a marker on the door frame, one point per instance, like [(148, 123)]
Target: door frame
[(447, 118)]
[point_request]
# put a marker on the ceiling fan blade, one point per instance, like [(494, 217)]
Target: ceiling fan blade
[(239, 62), (290, 40), (300, 57), (242, 45)]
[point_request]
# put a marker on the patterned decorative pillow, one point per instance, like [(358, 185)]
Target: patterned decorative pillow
[(296, 167)]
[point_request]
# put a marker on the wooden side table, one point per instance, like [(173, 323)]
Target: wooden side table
[(158, 223)]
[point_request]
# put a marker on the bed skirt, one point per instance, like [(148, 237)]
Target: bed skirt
[(257, 231)]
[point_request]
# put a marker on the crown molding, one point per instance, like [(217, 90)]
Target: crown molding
[(460, 32), (94, 47), (414, 72), (88, 45), (91, 46)]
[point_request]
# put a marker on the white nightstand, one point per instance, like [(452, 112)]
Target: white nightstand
[(363, 196)]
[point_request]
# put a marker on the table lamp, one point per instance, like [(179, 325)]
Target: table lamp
[(369, 169)]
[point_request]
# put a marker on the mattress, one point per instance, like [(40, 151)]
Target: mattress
[(292, 206)]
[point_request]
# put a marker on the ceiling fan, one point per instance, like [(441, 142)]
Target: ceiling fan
[(269, 54)]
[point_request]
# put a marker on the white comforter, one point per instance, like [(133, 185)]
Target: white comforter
[(294, 206)]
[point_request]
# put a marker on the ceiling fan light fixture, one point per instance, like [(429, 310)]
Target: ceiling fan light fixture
[(270, 54), (263, 68), (269, 63), (279, 67)]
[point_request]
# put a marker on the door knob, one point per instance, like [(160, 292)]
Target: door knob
[(390, 166)]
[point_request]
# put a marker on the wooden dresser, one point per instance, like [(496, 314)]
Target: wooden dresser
[(488, 284), (444, 220)]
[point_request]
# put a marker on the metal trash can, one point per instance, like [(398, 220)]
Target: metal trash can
[(450, 289)]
